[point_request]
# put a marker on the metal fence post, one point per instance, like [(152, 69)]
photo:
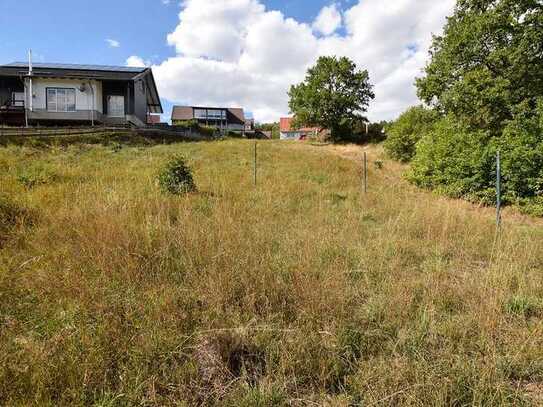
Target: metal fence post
[(255, 164), (365, 172), (498, 190)]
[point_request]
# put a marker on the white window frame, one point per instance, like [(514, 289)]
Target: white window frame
[(56, 89), (18, 102)]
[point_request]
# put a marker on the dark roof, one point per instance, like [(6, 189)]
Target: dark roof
[(75, 71), (97, 72), (238, 114), (80, 67), (182, 113), (235, 114)]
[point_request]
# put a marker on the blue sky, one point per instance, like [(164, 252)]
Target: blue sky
[(232, 52), (76, 31)]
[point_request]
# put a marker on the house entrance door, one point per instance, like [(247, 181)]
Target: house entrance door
[(115, 106)]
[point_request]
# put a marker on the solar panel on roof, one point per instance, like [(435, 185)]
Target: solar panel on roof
[(78, 67)]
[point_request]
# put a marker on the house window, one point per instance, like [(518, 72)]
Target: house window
[(60, 100), (216, 114), (200, 114), (211, 114), (18, 99)]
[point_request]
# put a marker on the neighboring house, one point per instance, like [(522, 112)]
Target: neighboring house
[(286, 131), (153, 119), (222, 118), (249, 124), (66, 94)]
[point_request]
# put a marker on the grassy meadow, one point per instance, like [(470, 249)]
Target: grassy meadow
[(300, 291)]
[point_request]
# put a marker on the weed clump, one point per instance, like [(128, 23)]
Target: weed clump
[(523, 306), (11, 215), (35, 176), (176, 177)]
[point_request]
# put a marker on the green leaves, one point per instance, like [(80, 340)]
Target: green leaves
[(176, 177), (489, 60), (404, 134), (333, 92)]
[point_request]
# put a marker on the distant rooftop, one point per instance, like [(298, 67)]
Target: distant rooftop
[(78, 67)]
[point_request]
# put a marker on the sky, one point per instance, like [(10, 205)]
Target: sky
[(237, 53)]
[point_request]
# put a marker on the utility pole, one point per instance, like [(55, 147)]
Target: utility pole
[(365, 172), (255, 164)]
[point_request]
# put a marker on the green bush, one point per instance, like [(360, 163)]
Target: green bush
[(208, 131), (36, 175), (461, 162), (176, 177), (186, 124), (404, 134)]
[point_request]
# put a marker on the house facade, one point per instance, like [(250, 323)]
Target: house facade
[(222, 118), (287, 132), (68, 94)]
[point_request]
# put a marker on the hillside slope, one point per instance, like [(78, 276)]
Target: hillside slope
[(299, 291)]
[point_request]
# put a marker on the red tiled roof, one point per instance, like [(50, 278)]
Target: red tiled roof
[(153, 118), (286, 122)]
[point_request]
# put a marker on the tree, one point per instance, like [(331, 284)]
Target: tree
[(486, 78), (488, 61), (271, 127), (404, 134), (333, 95)]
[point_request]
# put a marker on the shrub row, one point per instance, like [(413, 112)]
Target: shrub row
[(459, 161)]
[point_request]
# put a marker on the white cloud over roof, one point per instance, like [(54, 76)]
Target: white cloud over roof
[(236, 52)]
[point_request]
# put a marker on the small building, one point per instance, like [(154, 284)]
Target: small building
[(287, 132), (222, 118), (249, 124), (68, 94)]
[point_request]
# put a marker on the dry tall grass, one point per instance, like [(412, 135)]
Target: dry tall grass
[(301, 291)]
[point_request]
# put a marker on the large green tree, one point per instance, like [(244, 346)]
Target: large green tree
[(333, 95), (486, 77), (488, 61)]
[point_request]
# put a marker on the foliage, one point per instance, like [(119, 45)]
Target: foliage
[(487, 62), (354, 131), (208, 131), (333, 94), (457, 161), (486, 76), (273, 127), (404, 133), (176, 177), (523, 306), (462, 162), (186, 124), (36, 175)]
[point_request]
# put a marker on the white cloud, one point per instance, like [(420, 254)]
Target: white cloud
[(137, 62), (328, 20), (113, 43), (235, 52)]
